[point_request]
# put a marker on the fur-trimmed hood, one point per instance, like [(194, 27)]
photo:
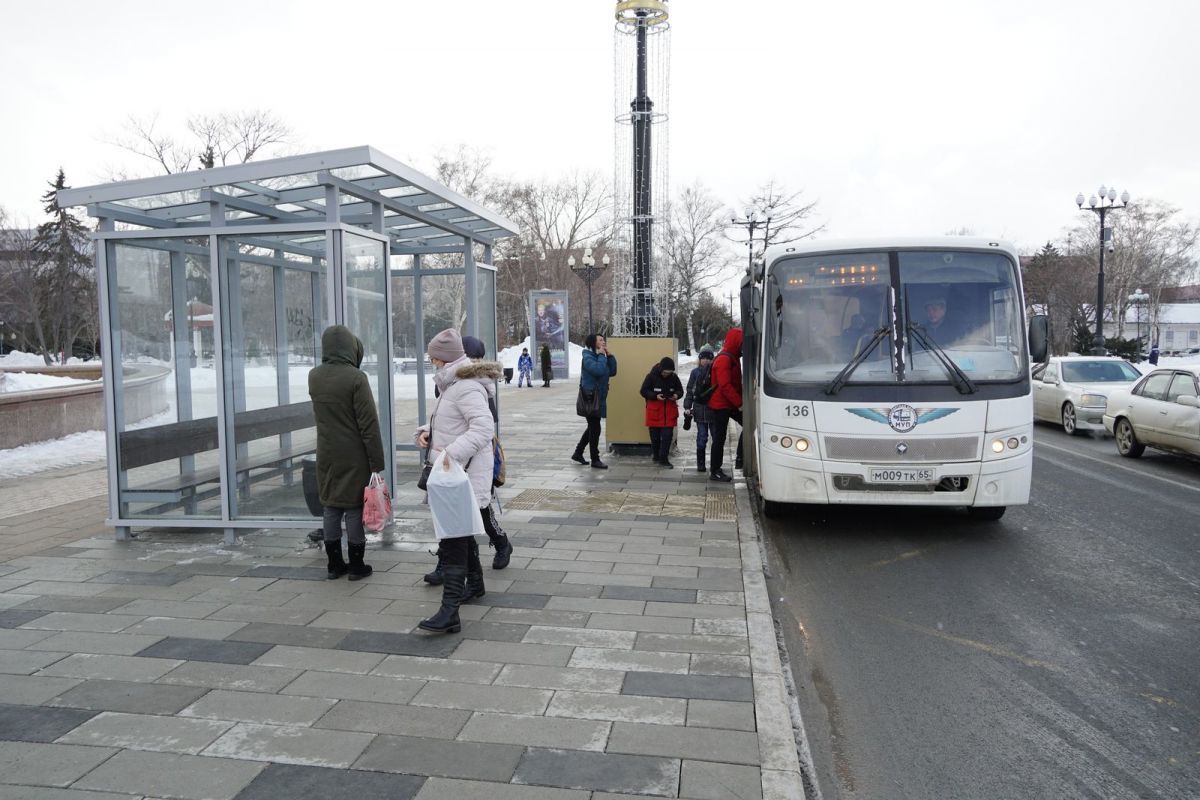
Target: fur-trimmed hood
[(480, 370)]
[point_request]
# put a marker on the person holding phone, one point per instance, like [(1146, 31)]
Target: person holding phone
[(662, 390)]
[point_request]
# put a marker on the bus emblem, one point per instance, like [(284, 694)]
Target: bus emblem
[(902, 417)]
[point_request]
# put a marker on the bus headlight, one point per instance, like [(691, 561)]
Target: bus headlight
[(801, 444), (998, 446), (786, 441), (1093, 401), (1013, 443)]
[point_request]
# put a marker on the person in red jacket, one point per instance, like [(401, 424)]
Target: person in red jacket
[(662, 390), (726, 401)]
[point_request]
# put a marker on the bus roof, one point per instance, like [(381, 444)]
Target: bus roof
[(900, 242)]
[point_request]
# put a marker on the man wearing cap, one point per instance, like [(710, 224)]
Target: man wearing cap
[(940, 328)]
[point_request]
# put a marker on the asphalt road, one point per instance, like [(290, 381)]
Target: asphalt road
[(1052, 654)]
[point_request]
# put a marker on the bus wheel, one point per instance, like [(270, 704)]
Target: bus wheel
[(772, 509), (986, 513)]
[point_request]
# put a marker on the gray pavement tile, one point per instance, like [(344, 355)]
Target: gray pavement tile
[(693, 643), (51, 793), (473, 697), (222, 652), (546, 655), (649, 593), (600, 658), (39, 724), (291, 573), (297, 635), (706, 780), (700, 687), (721, 627), (533, 575), (170, 608), (408, 644), (437, 669), (427, 723), (379, 623), (135, 698), (15, 618), (537, 731), (721, 714), (93, 605), (511, 600), (533, 616), (618, 708), (19, 638), (723, 584), (695, 610), (446, 759), (113, 644), (573, 769), (560, 678), (596, 605), (614, 579), (581, 637), (235, 677), (185, 777), (442, 788), (32, 690), (117, 668), (27, 662), (319, 659), (296, 782), (340, 686), (138, 578), (38, 764), (147, 732), (738, 747), (635, 622), (290, 745), (556, 589), (186, 628), (710, 664), (258, 707), (240, 612), (494, 631), (74, 621)]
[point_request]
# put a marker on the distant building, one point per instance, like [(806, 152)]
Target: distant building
[(1176, 327)]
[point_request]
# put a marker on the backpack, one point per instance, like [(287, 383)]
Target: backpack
[(704, 385), (499, 466)]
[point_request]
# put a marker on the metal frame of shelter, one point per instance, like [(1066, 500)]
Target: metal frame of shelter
[(284, 247)]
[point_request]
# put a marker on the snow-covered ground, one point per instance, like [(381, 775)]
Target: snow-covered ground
[(28, 381), (17, 358), (1168, 361), (509, 355)]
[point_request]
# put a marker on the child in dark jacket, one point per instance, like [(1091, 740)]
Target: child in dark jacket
[(662, 391)]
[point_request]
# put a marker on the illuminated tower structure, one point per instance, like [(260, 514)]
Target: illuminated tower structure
[(640, 186)]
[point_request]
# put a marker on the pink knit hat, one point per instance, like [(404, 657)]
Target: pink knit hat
[(446, 346)]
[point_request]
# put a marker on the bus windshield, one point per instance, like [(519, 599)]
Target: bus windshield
[(824, 311)]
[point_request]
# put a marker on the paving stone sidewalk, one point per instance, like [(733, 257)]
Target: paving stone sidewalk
[(627, 651)]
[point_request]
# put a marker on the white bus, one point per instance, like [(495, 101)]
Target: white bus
[(890, 372)]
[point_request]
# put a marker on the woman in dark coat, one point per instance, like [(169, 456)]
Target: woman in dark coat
[(547, 371), (596, 369), (662, 391), (349, 446)]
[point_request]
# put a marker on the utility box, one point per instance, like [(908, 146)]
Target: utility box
[(626, 422)]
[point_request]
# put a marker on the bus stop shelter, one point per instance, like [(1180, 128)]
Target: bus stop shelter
[(215, 286)]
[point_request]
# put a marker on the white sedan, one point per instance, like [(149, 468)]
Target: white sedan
[(1162, 410), (1073, 390)]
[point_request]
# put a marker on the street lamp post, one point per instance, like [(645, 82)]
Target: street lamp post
[(1106, 202), (589, 273), (754, 219), (1139, 299)]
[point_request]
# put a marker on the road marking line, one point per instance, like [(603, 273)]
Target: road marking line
[(901, 557), (983, 646), (1142, 473)]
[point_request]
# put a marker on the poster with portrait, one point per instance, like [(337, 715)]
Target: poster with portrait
[(548, 326)]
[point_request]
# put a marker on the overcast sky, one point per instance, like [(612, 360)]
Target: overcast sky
[(899, 118)]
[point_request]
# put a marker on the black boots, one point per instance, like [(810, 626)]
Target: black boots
[(337, 567), (475, 587), (700, 459), (435, 578), (598, 464), (503, 549), (719, 475), (578, 458), (453, 590), (358, 570)]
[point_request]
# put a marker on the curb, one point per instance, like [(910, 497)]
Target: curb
[(779, 739)]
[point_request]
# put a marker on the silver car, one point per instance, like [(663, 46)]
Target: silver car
[(1161, 410), (1073, 390)]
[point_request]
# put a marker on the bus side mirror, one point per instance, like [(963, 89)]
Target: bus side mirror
[(1039, 337)]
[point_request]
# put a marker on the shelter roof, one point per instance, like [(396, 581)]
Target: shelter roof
[(417, 210)]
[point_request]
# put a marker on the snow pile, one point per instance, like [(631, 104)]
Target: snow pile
[(509, 355), (28, 381), (17, 358), (69, 451)]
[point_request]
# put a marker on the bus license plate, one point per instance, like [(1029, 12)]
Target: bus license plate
[(894, 475)]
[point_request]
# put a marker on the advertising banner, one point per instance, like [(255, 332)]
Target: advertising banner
[(548, 326)]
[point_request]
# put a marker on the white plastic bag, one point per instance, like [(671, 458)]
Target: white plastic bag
[(452, 500)]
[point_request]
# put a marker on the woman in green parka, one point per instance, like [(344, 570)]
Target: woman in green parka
[(349, 446)]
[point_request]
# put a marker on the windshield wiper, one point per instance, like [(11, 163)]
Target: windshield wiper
[(835, 385), (961, 381)]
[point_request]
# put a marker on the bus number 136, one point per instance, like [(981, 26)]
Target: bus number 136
[(797, 411)]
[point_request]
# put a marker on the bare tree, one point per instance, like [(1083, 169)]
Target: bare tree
[(23, 292), (696, 251), (790, 216), (228, 137)]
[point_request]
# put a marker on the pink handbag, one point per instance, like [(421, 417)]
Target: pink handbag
[(377, 504)]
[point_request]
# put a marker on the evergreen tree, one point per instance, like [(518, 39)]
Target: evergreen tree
[(61, 248)]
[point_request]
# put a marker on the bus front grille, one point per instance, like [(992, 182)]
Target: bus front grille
[(948, 448)]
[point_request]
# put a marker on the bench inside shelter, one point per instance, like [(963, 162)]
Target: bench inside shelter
[(183, 441)]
